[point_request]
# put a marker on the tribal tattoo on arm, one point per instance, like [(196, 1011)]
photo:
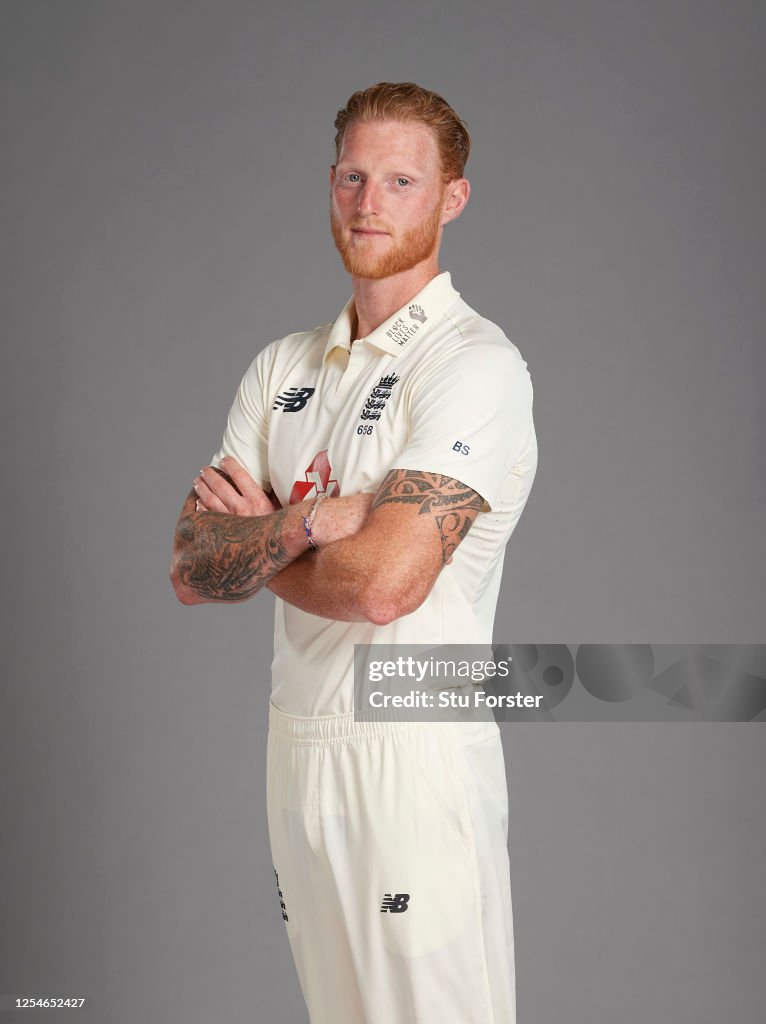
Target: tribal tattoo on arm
[(452, 505), (226, 557)]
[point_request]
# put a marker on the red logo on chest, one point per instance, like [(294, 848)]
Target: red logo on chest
[(318, 480)]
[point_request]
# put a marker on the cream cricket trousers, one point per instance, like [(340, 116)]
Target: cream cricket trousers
[(389, 842)]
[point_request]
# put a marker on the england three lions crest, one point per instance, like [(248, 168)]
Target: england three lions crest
[(377, 398)]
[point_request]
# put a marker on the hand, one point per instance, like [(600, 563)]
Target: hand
[(231, 489)]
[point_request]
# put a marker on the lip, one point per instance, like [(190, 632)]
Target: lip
[(367, 231)]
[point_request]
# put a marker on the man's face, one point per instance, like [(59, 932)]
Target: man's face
[(386, 197)]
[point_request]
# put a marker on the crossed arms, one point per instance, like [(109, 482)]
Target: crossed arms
[(378, 556)]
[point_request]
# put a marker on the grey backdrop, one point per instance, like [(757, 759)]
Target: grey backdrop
[(164, 211)]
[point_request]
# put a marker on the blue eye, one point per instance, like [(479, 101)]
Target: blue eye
[(353, 176), (402, 181)]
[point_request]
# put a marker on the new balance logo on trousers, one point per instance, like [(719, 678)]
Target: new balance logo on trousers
[(281, 897), (395, 904)]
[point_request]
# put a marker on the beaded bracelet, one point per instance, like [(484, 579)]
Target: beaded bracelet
[(308, 521)]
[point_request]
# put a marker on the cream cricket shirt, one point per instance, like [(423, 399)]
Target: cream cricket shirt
[(435, 388)]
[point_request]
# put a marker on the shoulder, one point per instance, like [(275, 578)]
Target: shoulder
[(289, 350), (476, 335), (469, 352), (297, 342)]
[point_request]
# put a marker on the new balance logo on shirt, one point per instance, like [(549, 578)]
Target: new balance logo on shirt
[(294, 399), (396, 903)]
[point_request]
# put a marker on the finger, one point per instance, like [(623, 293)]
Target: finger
[(219, 486), (210, 500), (226, 477), (240, 477)]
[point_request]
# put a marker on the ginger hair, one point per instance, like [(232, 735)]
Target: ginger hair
[(405, 101)]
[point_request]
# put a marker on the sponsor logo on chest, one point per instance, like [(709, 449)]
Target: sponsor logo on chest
[(317, 479)]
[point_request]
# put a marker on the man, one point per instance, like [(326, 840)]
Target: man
[(370, 475)]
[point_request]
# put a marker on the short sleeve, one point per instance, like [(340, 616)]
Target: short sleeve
[(471, 419), (246, 434)]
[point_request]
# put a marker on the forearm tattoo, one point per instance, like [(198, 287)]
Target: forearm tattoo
[(452, 505), (229, 558)]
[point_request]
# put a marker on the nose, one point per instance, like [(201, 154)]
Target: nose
[(368, 202)]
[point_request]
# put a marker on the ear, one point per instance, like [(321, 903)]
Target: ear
[(456, 196)]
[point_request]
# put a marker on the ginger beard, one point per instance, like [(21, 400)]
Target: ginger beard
[(416, 244)]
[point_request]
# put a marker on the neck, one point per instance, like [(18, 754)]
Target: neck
[(375, 301)]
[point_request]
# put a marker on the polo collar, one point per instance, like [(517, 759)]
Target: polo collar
[(411, 321)]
